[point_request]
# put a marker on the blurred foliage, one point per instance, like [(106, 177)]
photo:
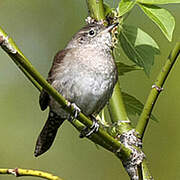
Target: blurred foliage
[(139, 47), (40, 28), (134, 106)]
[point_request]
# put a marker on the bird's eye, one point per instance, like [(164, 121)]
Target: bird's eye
[(92, 32)]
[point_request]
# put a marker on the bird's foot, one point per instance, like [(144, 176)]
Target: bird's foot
[(76, 112), (93, 129)]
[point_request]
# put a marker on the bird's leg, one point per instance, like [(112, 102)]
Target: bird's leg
[(94, 128), (86, 132)]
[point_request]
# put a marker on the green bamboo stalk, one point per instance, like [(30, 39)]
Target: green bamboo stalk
[(155, 91)]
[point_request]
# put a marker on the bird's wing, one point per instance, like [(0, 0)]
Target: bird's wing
[(44, 96), (44, 100)]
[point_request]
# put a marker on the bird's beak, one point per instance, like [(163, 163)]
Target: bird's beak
[(109, 28)]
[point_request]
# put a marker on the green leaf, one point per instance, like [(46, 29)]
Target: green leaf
[(158, 1), (124, 68), (107, 9), (138, 46), (134, 106), (161, 17), (125, 6)]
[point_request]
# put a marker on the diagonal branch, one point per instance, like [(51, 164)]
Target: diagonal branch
[(104, 138), (155, 91)]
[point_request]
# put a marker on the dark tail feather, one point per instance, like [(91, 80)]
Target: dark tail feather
[(48, 133)]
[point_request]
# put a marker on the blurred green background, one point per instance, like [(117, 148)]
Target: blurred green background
[(40, 28)]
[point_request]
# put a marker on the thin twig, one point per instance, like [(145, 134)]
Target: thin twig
[(27, 172)]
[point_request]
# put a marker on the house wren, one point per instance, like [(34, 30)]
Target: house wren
[(84, 73)]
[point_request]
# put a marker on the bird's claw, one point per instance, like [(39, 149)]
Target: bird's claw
[(76, 112), (93, 129), (86, 132)]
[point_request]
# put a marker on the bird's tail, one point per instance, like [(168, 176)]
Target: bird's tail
[(48, 133)]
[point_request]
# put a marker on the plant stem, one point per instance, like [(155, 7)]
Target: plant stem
[(117, 111), (94, 137), (34, 82), (155, 91), (27, 172), (96, 9), (146, 175), (117, 105)]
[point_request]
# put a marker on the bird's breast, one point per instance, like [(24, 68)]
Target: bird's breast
[(87, 81)]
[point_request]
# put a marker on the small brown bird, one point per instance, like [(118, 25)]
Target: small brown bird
[(84, 73)]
